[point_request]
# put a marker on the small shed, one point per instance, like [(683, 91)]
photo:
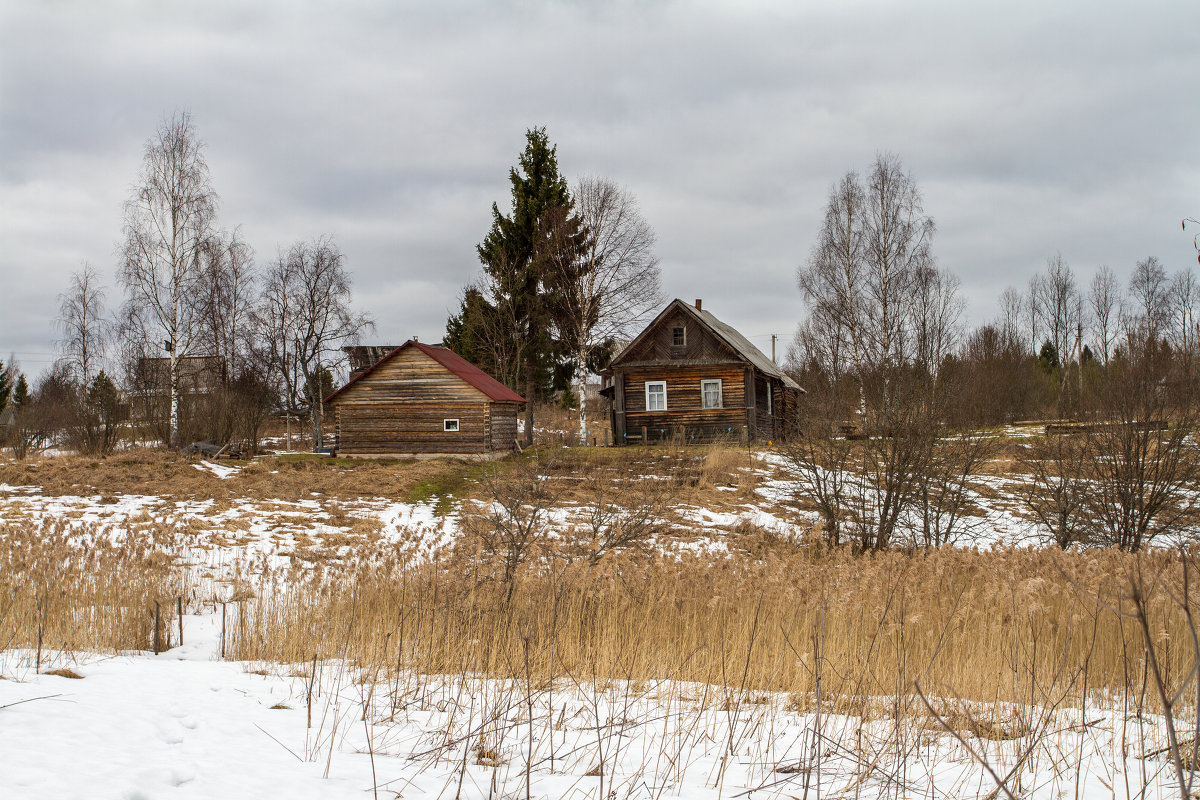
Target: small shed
[(424, 400), (689, 377)]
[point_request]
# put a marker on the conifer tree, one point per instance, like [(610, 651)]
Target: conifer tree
[(20, 393), (5, 386), (516, 256)]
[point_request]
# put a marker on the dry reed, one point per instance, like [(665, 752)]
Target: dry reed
[(1005, 626), (65, 590)]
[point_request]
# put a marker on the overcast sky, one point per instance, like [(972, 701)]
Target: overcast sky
[(1031, 128)]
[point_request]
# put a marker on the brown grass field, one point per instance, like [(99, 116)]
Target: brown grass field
[(769, 613)]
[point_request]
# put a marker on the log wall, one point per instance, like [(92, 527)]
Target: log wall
[(401, 408), (685, 416), (503, 421)]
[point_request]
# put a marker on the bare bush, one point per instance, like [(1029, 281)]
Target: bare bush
[(1144, 461), (512, 523), (1058, 489)]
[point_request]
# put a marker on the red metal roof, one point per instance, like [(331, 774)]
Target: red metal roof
[(468, 372)]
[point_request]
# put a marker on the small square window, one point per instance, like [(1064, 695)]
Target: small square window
[(710, 391), (656, 395), (678, 336), (450, 425)]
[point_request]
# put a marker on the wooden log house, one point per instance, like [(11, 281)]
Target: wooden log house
[(421, 400), (689, 377)]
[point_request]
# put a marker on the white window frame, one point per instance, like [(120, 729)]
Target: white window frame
[(663, 384), (770, 401), (720, 393), (446, 426)]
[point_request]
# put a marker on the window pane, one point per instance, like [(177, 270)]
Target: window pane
[(711, 391), (656, 396), (678, 338)]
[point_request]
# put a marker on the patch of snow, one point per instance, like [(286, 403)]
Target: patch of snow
[(220, 470)]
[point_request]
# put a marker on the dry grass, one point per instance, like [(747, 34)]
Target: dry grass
[(776, 613), (1011, 626), (71, 590), (157, 472)]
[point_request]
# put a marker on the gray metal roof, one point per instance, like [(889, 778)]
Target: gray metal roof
[(742, 345), (738, 343)]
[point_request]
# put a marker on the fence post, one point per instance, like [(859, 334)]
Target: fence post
[(222, 631), (179, 613), (156, 628)]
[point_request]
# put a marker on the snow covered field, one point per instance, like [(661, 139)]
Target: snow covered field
[(186, 723)]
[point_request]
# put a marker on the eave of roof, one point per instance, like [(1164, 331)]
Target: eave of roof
[(470, 374)]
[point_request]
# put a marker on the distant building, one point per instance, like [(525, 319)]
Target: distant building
[(362, 357), (690, 377), (419, 399), (149, 394)]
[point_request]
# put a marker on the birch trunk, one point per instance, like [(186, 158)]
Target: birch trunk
[(173, 379), (581, 395)]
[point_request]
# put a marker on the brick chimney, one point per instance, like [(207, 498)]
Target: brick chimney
[(699, 304)]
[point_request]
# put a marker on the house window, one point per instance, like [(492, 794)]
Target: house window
[(770, 403), (450, 425), (711, 392), (656, 395), (678, 336)]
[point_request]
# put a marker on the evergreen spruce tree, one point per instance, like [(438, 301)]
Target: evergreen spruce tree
[(516, 255), (101, 406), (5, 386), (467, 332), (20, 393)]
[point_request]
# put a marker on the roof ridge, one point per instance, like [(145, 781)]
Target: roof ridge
[(470, 373)]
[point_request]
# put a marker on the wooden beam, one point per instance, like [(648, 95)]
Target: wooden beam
[(618, 407), (751, 410)]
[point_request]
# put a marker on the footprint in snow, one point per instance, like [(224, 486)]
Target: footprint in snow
[(182, 775), (170, 733)]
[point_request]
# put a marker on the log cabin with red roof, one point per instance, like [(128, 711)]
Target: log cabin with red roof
[(421, 400)]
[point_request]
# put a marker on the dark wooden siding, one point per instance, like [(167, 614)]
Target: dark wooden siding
[(701, 346), (503, 421), (685, 416), (375, 429), (401, 408)]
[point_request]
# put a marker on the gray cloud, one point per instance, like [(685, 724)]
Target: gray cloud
[(1031, 128)]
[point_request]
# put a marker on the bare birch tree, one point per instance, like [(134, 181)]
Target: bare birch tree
[(832, 281), (1035, 303), (1012, 313), (936, 310), (305, 317), (897, 240), (1149, 293), (861, 276), (1184, 298), (1104, 298), (84, 325), (1060, 306), (168, 221), (226, 298), (607, 288)]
